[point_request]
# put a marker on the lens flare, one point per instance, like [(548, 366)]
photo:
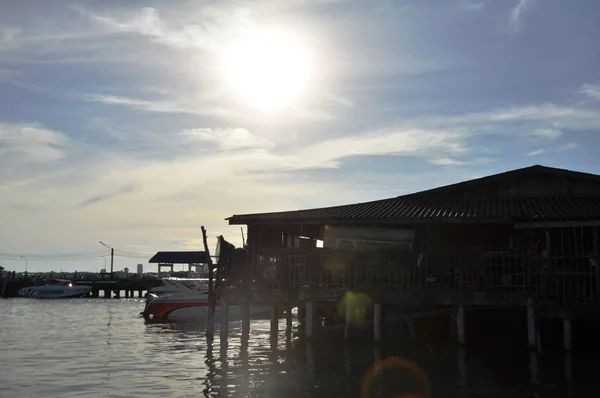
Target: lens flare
[(395, 377), (358, 305)]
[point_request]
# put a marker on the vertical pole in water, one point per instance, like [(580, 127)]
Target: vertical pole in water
[(531, 326), (377, 322), (596, 253), (245, 319), (112, 258), (274, 320), (210, 327), (568, 338), (310, 318), (460, 325), (224, 320), (288, 319), (348, 325)]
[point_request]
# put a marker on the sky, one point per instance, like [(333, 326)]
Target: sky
[(136, 123)]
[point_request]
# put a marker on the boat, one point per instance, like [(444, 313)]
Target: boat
[(172, 285), (55, 289), (187, 299)]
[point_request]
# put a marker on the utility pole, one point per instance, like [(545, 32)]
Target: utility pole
[(25, 264), (112, 256)]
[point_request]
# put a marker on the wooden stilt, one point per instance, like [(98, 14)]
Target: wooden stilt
[(348, 324), (288, 319), (224, 321), (377, 321), (310, 319), (531, 326), (460, 325), (212, 300), (245, 319), (568, 338), (274, 321)]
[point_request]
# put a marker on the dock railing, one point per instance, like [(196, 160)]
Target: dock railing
[(557, 279)]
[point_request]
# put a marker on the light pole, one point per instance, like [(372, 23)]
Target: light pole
[(25, 264), (112, 255)]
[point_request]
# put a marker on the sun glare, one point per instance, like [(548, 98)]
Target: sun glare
[(268, 68)]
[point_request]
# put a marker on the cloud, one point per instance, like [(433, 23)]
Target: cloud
[(546, 151), (517, 13), (472, 6), (591, 90), (546, 133), (446, 161), (228, 138), (106, 196), (392, 141), (30, 143), (217, 26), (166, 106)]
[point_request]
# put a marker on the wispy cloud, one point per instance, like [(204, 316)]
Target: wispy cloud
[(166, 106), (517, 13), (31, 143), (591, 90), (217, 26), (547, 151), (228, 139), (106, 196), (546, 133), (472, 5)]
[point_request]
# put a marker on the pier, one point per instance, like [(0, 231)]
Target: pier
[(526, 241), (118, 288)]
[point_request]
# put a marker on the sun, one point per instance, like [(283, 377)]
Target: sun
[(267, 68)]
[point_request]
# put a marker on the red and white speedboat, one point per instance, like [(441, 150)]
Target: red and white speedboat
[(180, 298)]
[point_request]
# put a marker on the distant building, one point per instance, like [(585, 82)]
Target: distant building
[(140, 269), (103, 271)]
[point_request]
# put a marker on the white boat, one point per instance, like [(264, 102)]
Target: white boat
[(182, 298), (55, 289), (173, 285)]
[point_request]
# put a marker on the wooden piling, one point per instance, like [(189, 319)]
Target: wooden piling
[(460, 325), (288, 319), (377, 322), (348, 321), (531, 326), (212, 301), (224, 321), (567, 332), (245, 319), (310, 319), (274, 320)]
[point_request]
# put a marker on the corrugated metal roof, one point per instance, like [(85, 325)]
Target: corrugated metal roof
[(450, 203), (191, 257), (412, 208)]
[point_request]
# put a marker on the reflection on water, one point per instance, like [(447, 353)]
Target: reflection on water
[(101, 347)]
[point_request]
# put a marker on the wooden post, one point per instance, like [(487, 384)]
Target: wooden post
[(224, 321), (288, 319), (377, 321), (210, 327), (310, 319), (274, 320), (531, 325), (596, 248), (567, 335), (245, 319), (460, 325), (348, 324)]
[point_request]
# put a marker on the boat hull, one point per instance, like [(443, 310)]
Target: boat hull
[(158, 309), (54, 292)]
